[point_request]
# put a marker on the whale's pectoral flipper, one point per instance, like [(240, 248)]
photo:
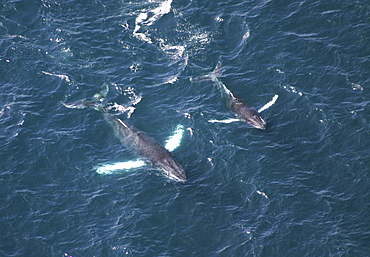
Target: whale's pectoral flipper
[(174, 141), (224, 121), (269, 104), (116, 167)]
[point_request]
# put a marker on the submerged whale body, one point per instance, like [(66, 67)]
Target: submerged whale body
[(138, 141)]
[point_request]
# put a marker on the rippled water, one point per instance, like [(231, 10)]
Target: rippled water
[(299, 188)]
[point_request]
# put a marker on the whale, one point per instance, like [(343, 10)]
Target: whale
[(147, 147), (239, 106), (138, 141), (120, 167)]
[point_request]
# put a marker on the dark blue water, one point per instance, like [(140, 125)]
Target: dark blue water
[(299, 188)]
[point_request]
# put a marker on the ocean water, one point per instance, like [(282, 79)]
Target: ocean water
[(298, 188)]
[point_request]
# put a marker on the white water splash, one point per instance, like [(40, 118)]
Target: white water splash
[(143, 20), (122, 109), (138, 21), (161, 10), (269, 104), (64, 77), (175, 52), (130, 107), (292, 90), (262, 193), (247, 34), (172, 80), (357, 87), (178, 54)]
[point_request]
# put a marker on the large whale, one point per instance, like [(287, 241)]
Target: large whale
[(147, 147), (138, 141), (241, 108)]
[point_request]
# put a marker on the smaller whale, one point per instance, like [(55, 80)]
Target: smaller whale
[(241, 108)]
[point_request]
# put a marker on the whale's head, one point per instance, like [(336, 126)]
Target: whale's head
[(172, 169), (246, 112), (256, 121), (251, 116)]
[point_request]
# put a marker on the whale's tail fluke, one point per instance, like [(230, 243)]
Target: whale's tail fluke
[(214, 76), (96, 102), (217, 70)]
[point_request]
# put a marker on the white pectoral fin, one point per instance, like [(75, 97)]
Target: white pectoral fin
[(224, 121), (174, 141), (269, 104), (120, 167)]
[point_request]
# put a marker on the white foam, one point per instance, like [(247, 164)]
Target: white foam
[(172, 80), (262, 193), (161, 10), (130, 107), (357, 87), (175, 52), (138, 21), (142, 19), (247, 34), (64, 77), (292, 90)]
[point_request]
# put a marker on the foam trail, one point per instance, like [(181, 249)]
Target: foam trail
[(269, 104), (171, 144)]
